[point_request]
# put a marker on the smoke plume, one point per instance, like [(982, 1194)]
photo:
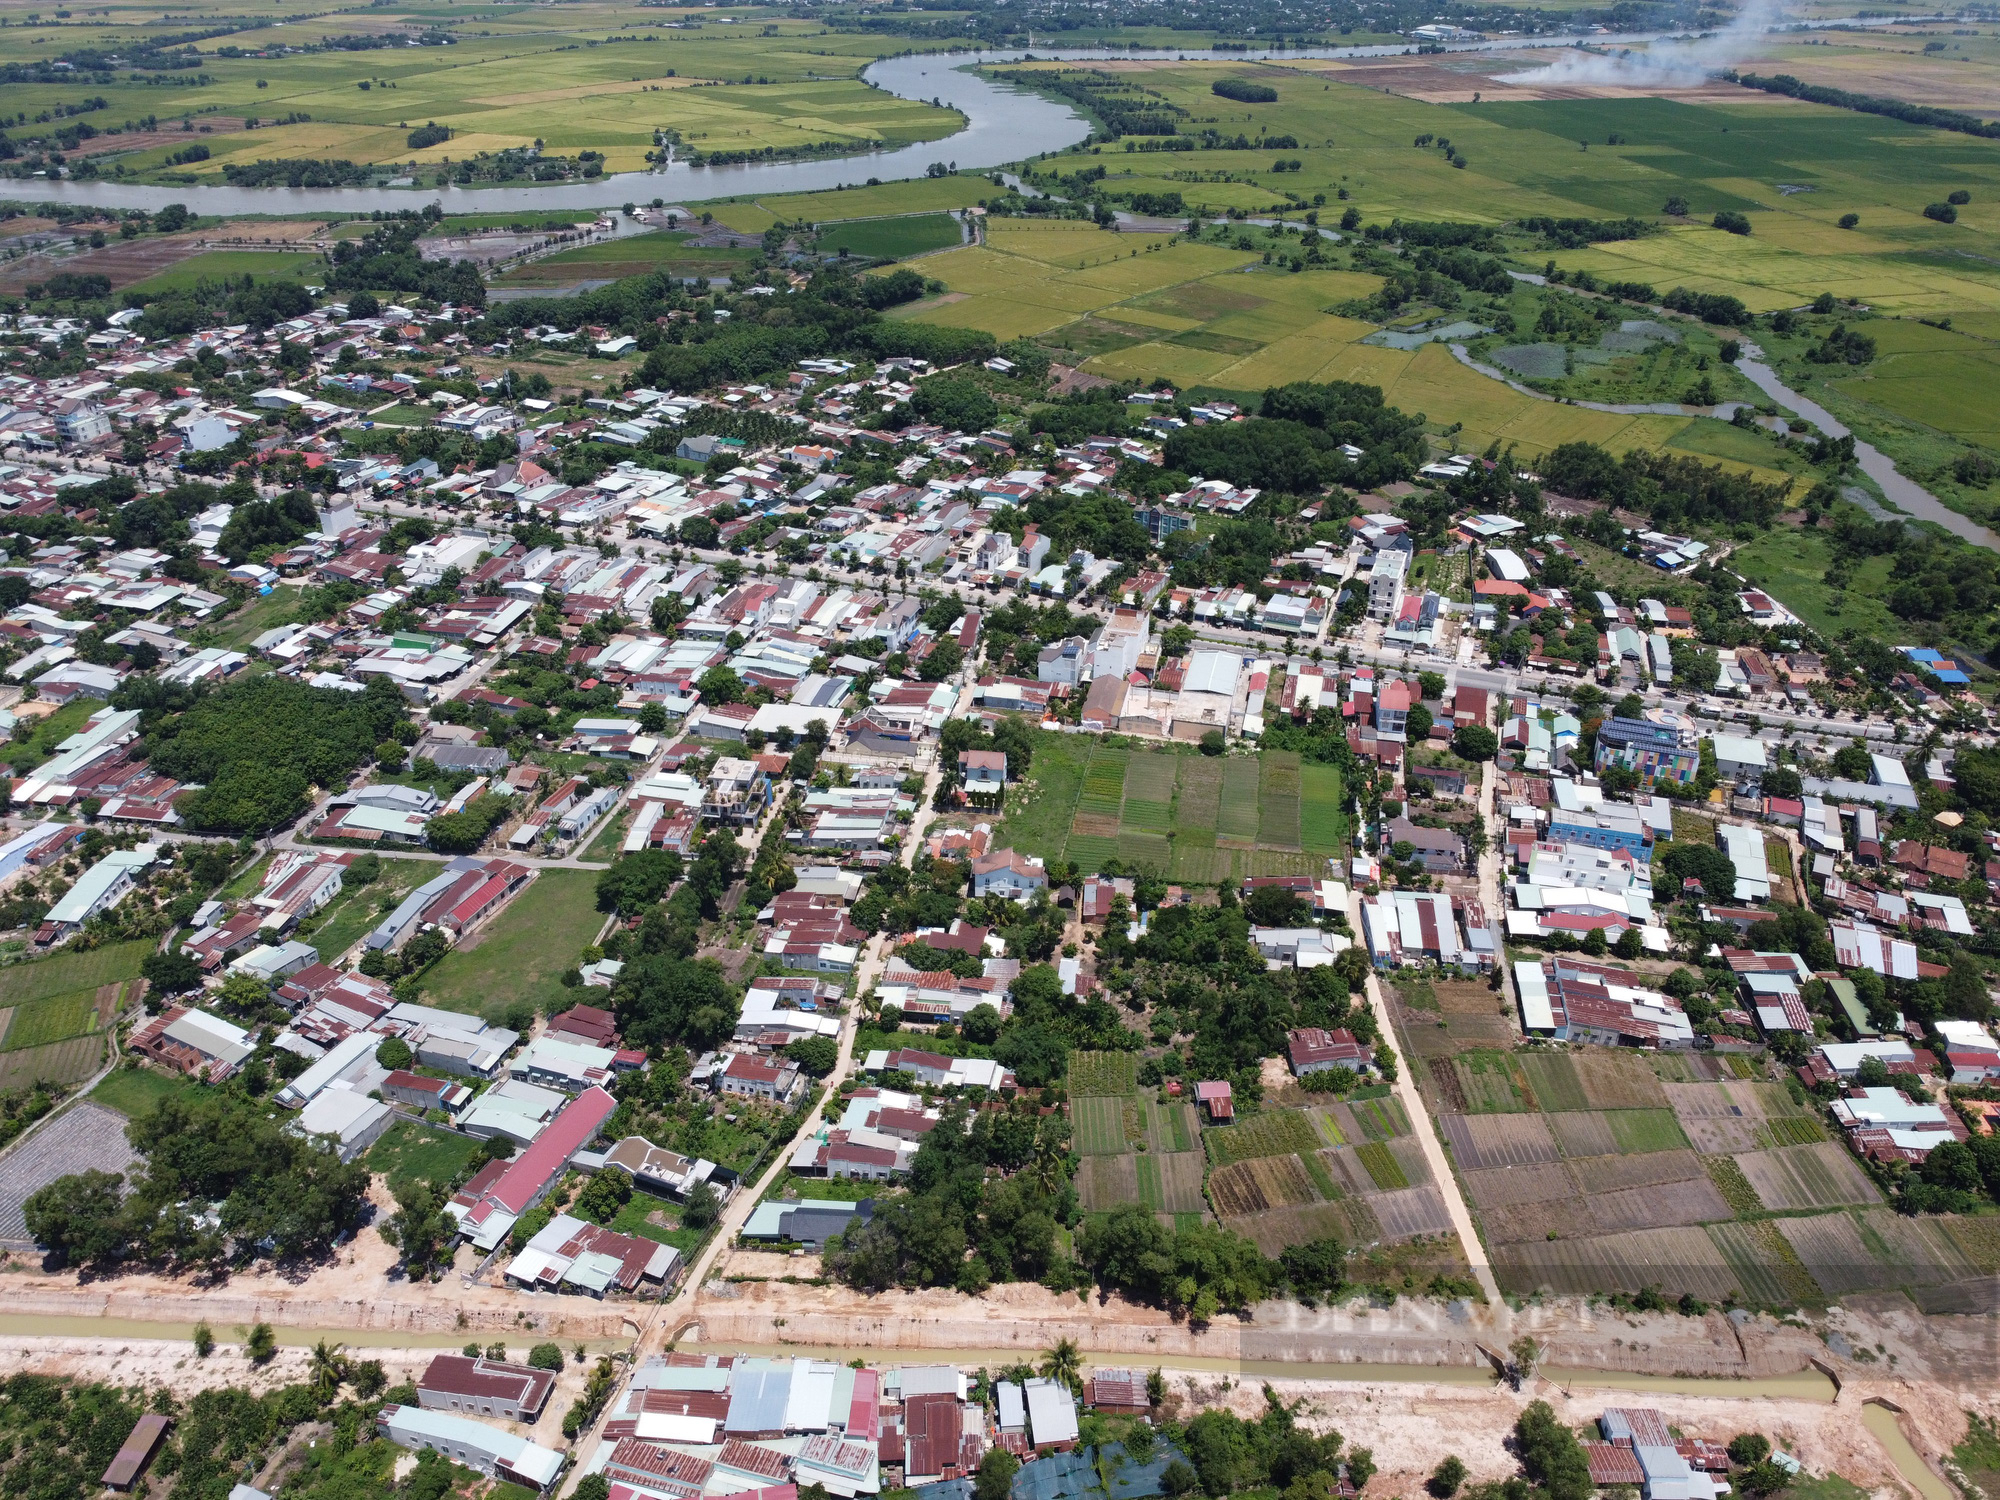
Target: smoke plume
[(1664, 65)]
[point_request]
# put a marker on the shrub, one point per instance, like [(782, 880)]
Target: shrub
[(1944, 213), (1243, 91), (546, 1357), (1732, 221)]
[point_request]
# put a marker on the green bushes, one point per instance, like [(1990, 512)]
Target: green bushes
[(1243, 91)]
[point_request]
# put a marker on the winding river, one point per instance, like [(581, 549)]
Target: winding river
[(1003, 124)]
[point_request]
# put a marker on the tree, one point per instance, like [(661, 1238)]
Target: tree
[(1212, 743), (1446, 1477), (1474, 742), (546, 1357), (394, 1053), (981, 1025), (592, 1487), (1361, 1466), (1177, 1479), (1417, 724), (1552, 1456), (77, 1219), (1748, 1448), (995, 1480), (638, 880), (1064, 1363), (703, 1207), (172, 973), (419, 1228), (262, 1345), (328, 1369), (204, 1341)]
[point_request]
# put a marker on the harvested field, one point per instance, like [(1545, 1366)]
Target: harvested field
[(1348, 1221), (1099, 1121), (1170, 1181), (1553, 1077), (1618, 1080), (1279, 1132), (1265, 1183), (1831, 1248), (1463, 997), (1674, 1260), (1768, 1271), (1483, 1141), (84, 1137), (126, 263), (1412, 1211), (1920, 1249), (1584, 1133), (1605, 1174), (1104, 1182), (1445, 1082), (1660, 1206), (1503, 1187), (1818, 1176)]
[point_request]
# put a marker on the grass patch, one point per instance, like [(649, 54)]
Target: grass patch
[(262, 613), (636, 1218), (68, 973), (522, 955), (351, 915), (134, 1090), (216, 265), (409, 1152)]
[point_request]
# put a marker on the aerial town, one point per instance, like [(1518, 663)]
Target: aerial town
[(681, 852)]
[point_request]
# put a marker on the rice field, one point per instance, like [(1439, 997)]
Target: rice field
[(52, 1020)]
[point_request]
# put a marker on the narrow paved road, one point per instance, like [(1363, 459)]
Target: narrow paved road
[(674, 1313)]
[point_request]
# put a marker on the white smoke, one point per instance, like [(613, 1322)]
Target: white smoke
[(1665, 64)]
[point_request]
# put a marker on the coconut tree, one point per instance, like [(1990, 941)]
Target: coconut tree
[(1064, 1363), (328, 1370)]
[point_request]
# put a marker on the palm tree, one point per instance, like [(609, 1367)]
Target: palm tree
[(329, 1369), (1050, 1158), (1064, 1363)]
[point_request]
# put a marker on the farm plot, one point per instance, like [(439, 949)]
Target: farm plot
[(1105, 1182), (1489, 1082), (1768, 1271), (1322, 818), (1348, 1221), (1832, 1249), (1504, 1187), (1170, 1181), (1376, 1119), (1278, 1132), (85, 1137), (1200, 796), (1661, 1206), (68, 973), (1553, 1077), (1618, 1080), (1278, 800), (1716, 1123), (1410, 1212), (1584, 1133), (1381, 1165), (1816, 1176), (1641, 1130), (52, 1020), (1248, 1187), (58, 1062), (1171, 1128), (1485, 1141), (1236, 820), (1095, 1073), (1100, 1124), (1604, 1174), (1674, 1260)]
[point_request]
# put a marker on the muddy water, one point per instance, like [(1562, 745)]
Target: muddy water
[(1879, 1420), (1806, 1385)]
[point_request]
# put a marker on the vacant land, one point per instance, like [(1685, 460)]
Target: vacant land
[(234, 265), (522, 953), (352, 914), (1195, 819), (412, 1152)]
